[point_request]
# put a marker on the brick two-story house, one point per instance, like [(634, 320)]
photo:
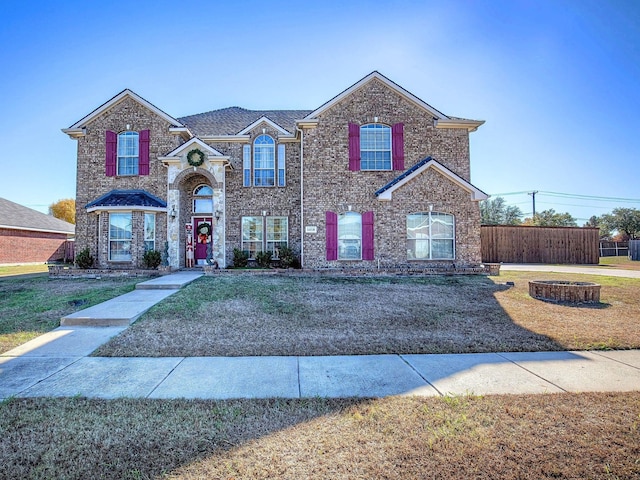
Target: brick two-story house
[(374, 177)]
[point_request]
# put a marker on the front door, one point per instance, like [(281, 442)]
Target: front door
[(202, 238)]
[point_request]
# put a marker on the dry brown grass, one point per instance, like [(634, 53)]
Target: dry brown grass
[(314, 315), (594, 435)]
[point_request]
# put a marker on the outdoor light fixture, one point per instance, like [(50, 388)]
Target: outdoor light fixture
[(218, 214), (173, 212)]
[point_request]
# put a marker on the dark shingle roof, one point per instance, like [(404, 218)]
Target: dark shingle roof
[(127, 198), (403, 175), (230, 121), (13, 215)]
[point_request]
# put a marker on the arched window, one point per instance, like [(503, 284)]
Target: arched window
[(128, 150), (264, 162), (430, 236), (202, 199), (350, 236), (375, 147)]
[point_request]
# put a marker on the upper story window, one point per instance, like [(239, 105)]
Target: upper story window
[(430, 236), (375, 147), (264, 162), (202, 199), (259, 165), (128, 153)]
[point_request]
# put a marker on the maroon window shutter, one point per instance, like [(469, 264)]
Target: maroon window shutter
[(143, 153), (397, 140), (367, 236), (111, 154), (332, 235), (354, 147)]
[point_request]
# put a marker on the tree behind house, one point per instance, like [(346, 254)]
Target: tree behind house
[(64, 210), (626, 221), (550, 218), (496, 212)]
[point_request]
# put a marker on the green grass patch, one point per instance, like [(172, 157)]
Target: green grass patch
[(30, 306)]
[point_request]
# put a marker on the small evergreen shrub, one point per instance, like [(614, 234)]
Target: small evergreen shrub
[(240, 258), (263, 259), (152, 259), (288, 258), (84, 259)]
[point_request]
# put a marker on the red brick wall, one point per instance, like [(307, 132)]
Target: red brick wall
[(22, 246)]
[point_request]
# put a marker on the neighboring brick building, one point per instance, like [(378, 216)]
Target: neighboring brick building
[(29, 236), (374, 177)]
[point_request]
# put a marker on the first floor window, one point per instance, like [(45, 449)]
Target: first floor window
[(350, 236), (120, 237), (430, 236), (277, 234), (253, 234), (149, 232)]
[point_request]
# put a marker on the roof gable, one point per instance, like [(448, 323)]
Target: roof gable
[(386, 192), (126, 93), (18, 217), (264, 119), (233, 120), (375, 75), (195, 143)]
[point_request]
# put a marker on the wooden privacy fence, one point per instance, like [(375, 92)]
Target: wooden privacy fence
[(518, 244)]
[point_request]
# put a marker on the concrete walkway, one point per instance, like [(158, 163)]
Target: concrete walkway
[(584, 269), (57, 364)]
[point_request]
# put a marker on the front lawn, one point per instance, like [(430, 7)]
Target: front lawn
[(589, 435), (31, 306), (240, 315)]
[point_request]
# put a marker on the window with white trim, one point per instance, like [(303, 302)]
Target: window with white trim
[(375, 147), (350, 236), (120, 229), (267, 234), (264, 162), (277, 234), (246, 165), (149, 232), (202, 199), (430, 236), (281, 165), (128, 152)]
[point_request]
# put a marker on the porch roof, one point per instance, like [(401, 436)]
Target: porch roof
[(127, 198)]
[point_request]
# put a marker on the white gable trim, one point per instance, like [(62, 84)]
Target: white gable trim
[(476, 194), (377, 75), (266, 120), (126, 93), (194, 142)]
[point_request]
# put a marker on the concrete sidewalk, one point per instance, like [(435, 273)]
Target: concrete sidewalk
[(57, 364), (584, 269)]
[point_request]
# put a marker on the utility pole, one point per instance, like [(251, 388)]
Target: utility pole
[(533, 196)]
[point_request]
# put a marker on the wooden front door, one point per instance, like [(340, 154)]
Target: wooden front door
[(202, 238)]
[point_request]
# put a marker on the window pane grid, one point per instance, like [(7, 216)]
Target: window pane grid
[(128, 153), (375, 147), (264, 162)]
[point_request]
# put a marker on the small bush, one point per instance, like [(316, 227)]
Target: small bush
[(84, 259), (263, 259), (288, 259), (152, 259), (240, 258)]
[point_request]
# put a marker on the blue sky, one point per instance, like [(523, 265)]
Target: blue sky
[(557, 82)]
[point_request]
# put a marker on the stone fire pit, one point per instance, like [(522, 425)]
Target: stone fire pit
[(563, 291)]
